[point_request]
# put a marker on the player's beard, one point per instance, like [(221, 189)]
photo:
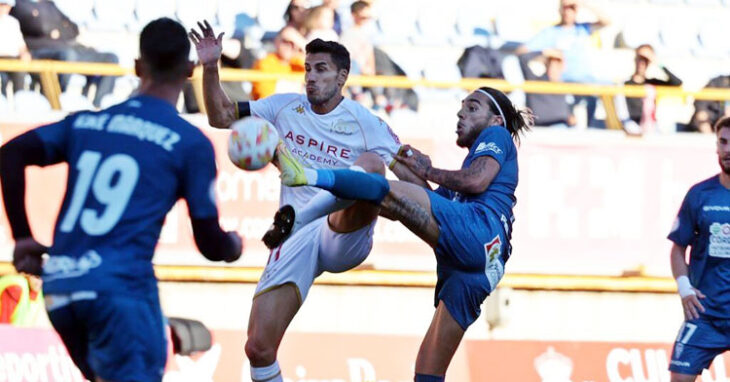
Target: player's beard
[(323, 97), (725, 169)]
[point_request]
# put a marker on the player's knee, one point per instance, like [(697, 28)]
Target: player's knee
[(259, 352), (371, 162)]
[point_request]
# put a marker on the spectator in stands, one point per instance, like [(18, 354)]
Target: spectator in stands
[(643, 59), (319, 23), (549, 109), (288, 57), (295, 15), (707, 113), (358, 41), (21, 300), (52, 35), (336, 18), (12, 45), (574, 40)]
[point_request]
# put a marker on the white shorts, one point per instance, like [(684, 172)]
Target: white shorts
[(311, 250)]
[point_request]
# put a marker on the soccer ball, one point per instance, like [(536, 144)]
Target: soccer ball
[(252, 143)]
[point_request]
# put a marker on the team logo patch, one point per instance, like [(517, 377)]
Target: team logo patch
[(493, 249), (299, 109), (491, 146), (719, 240)]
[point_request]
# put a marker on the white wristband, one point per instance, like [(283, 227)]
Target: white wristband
[(684, 287)]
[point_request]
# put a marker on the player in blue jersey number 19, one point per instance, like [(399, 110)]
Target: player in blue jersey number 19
[(703, 223), (128, 166)]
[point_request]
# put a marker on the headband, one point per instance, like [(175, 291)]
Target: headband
[(499, 109)]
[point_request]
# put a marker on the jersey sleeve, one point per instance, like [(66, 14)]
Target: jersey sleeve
[(267, 108), (494, 142), (381, 139), (198, 183), (55, 138), (684, 227)]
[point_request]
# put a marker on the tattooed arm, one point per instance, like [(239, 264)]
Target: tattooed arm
[(471, 180)]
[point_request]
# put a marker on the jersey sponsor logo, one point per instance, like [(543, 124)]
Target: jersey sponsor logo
[(716, 208), (719, 240), (680, 363), (299, 109), (493, 249), (64, 267), (484, 147), (343, 127), (314, 144)]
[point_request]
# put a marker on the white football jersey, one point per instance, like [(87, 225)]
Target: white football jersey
[(333, 140)]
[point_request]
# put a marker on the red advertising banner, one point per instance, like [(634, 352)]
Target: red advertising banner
[(38, 355), (588, 203)]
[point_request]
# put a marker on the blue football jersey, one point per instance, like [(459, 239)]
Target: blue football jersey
[(496, 142), (128, 165), (703, 223)]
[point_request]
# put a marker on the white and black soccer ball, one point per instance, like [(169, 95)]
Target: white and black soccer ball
[(252, 143)]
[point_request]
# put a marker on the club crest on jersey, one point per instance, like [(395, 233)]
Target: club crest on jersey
[(343, 127), (299, 109), (493, 248)]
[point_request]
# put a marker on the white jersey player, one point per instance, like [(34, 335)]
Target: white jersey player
[(324, 130)]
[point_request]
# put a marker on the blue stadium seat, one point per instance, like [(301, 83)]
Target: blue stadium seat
[(474, 22), (713, 39), (234, 16), (191, 11), (113, 15), (678, 41), (513, 26), (31, 103)]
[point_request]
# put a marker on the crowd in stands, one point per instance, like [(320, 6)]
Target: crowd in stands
[(566, 51)]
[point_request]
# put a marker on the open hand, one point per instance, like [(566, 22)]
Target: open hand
[(692, 306), (208, 46)]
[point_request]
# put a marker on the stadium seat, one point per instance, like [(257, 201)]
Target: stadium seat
[(474, 23), (234, 16), (713, 39), (191, 11), (512, 26), (31, 103), (396, 22), (79, 11), (71, 102), (4, 105), (678, 41), (113, 15), (271, 14), (703, 2), (640, 31), (670, 2), (436, 23), (149, 10)]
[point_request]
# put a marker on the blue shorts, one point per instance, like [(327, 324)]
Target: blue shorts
[(115, 337), (698, 343), (471, 252)]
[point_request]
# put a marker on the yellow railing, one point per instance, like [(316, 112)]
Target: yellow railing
[(365, 277), (48, 71)]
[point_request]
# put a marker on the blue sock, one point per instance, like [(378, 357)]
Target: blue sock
[(353, 185), (428, 378)]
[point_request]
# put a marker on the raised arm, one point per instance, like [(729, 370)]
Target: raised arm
[(221, 111)]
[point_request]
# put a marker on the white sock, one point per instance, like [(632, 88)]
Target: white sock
[(322, 204), (270, 373)]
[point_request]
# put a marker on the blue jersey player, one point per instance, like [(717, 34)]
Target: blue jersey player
[(703, 223), (467, 220), (128, 165)]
